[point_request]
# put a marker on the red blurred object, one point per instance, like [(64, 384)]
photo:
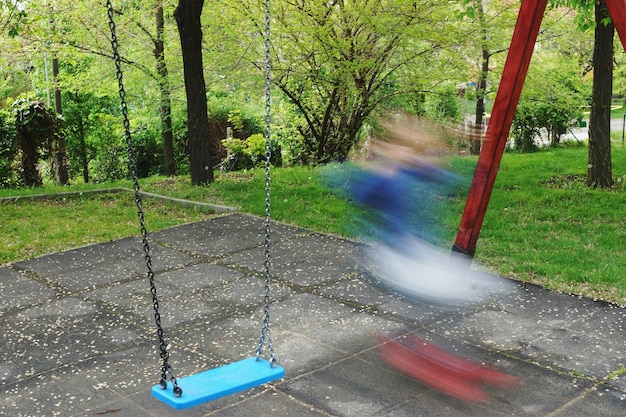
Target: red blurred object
[(454, 376), (513, 76), (617, 10)]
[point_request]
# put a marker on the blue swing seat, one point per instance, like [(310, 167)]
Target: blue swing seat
[(219, 382)]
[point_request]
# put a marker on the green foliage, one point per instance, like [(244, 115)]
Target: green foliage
[(88, 124), (110, 164), (249, 153), (14, 82), (8, 151), (109, 160), (181, 153), (552, 100), (234, 112), (148, 152), (12, 16), (584, 16), (525, 128), (36, 132), (443, 105)]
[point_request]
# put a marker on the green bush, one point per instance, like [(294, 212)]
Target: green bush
[(37, 130), (249, 153), (110, 164), (443, 105), (525, 129), (8, 152), (148, 152)]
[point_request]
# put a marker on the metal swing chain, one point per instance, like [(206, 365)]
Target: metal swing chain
[(265, 331), (165, 368)]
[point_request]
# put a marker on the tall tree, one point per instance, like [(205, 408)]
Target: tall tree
[(162, 78), (490, 26), (336, 61), (187, 16), (36, 129), (61, 163), (167, 134), (481, 88), (599, 172)]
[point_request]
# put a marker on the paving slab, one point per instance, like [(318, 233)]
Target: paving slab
[(19, 290), (96, 266), (79, 335)]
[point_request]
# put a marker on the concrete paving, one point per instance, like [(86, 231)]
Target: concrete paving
[(78, 334)]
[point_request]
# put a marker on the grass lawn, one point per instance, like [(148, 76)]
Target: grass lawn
[(542, 224)]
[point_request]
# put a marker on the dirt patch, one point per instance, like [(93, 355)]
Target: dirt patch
[(565, 181)]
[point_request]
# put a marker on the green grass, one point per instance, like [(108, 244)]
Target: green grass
[(542, 225), (35, 227)]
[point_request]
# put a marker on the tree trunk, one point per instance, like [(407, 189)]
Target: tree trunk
[(80, 133), (30, 158), (187, 16), (61, 174), (599, 172), (477, 131), (167, 135)]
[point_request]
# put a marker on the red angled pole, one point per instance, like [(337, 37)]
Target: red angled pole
[(617, 10), (513, 76)]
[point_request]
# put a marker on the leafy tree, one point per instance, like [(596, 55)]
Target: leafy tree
[(333, 60), (8, 151), (599, 172), (593, 13), (36, 128), (12, 15), (490, 39), (86, 126), (551, 101), (166, 103), (162, 76)]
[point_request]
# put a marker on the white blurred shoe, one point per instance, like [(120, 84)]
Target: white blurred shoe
[(423, 271)]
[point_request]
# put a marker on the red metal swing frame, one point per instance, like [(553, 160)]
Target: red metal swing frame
[(515, 69)]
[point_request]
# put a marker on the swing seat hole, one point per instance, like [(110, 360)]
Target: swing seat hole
[(178, 392)]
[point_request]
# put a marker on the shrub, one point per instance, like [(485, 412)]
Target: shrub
[(148, 152), (443, 106), (110, 165), (8, 152), (36, 132), (249, 153)]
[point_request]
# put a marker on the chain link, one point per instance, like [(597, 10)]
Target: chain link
[(265, 331), (165, 368)]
